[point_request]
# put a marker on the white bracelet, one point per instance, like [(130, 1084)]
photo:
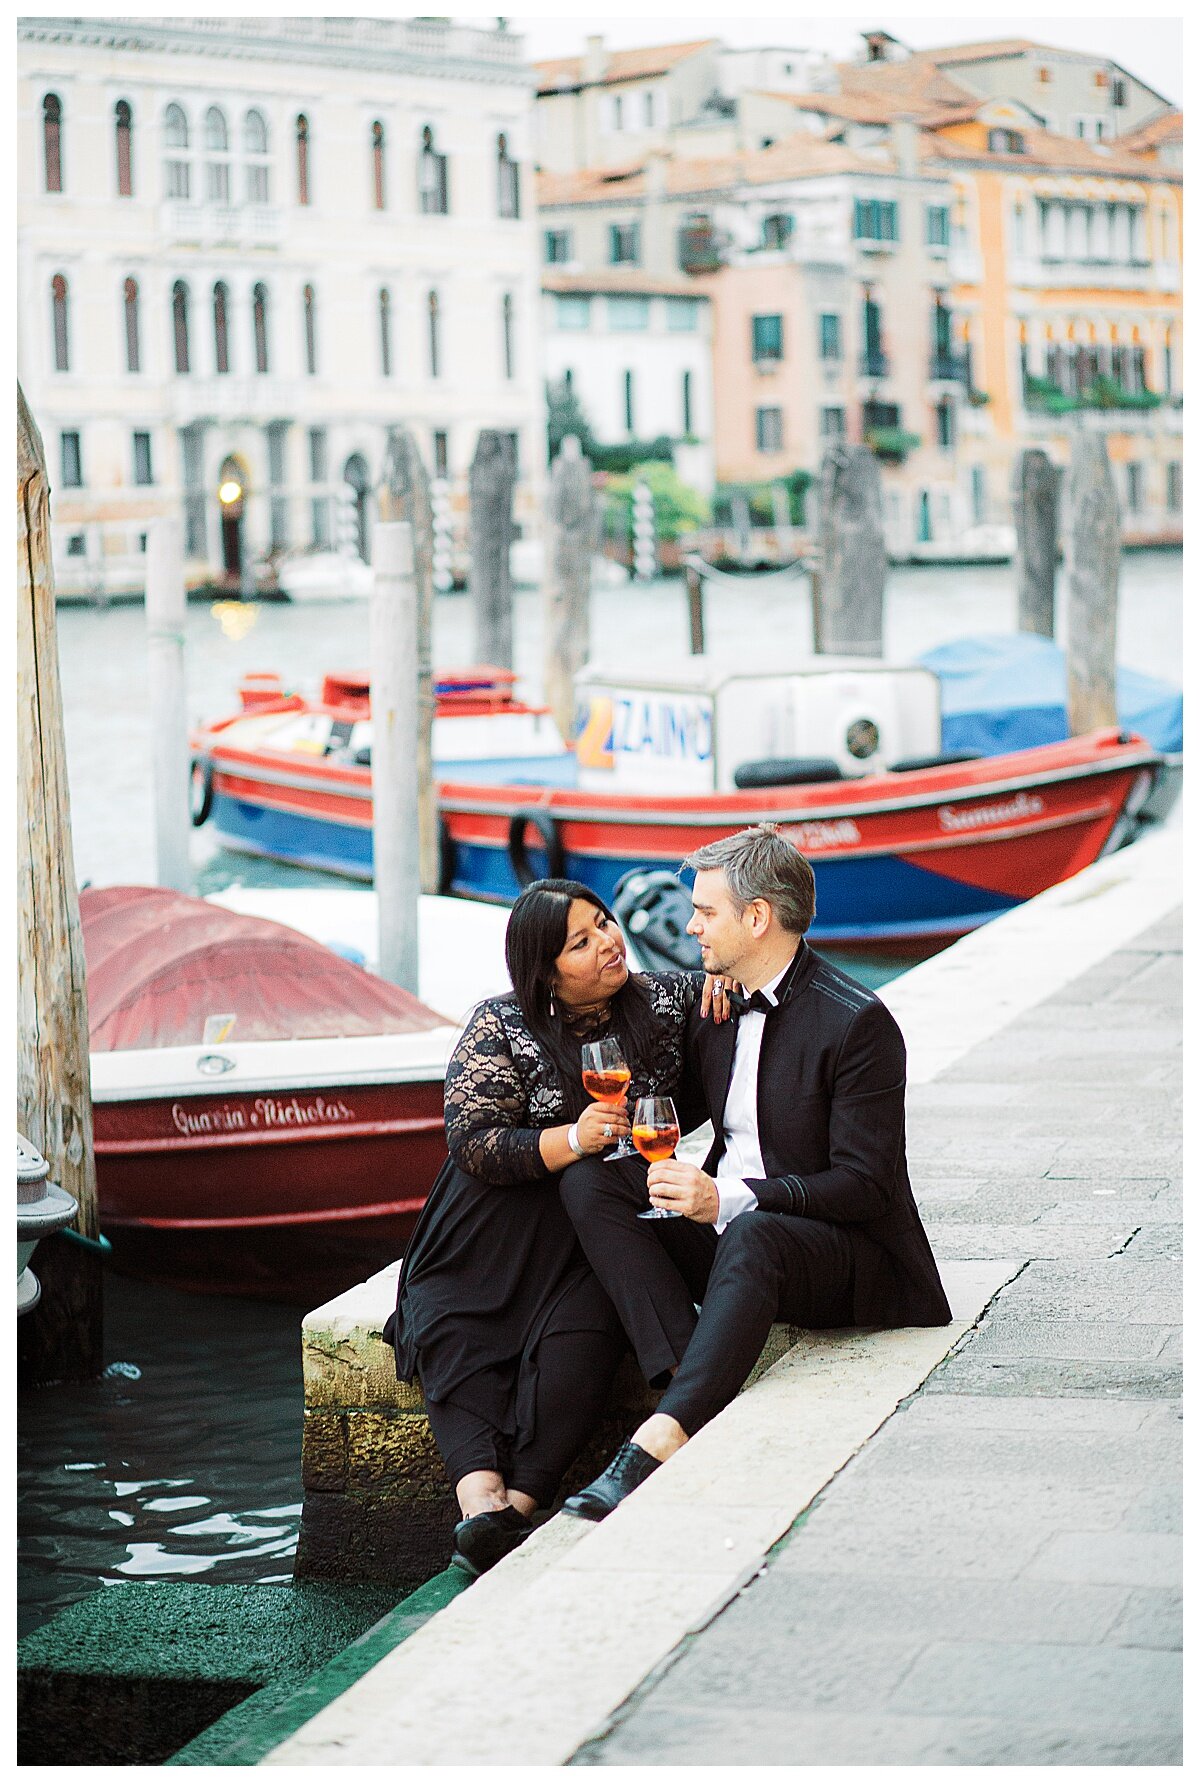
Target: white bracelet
[(573, 1140)]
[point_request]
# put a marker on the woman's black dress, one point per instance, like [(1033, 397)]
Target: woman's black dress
[(494, 1265)]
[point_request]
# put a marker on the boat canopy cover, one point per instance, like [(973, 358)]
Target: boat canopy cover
[(160, 964), (1004, 691)]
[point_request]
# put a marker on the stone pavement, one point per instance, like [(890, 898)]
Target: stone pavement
[(994, 1578)]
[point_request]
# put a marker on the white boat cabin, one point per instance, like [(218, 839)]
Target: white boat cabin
[(690, 727)]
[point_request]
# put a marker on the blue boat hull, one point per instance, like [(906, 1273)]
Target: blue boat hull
[(871, 900)]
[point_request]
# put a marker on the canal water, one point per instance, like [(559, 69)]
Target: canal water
[(183, 1460)]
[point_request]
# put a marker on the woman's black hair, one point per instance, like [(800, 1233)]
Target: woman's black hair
[(537, 934)]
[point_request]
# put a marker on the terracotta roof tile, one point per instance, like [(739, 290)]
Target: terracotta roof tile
[(798, 156), (633, 64), (979, 52), (1063, 154), (862, 108), (1166, 127), (913, 79)]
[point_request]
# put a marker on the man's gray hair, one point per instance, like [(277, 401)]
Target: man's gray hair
[(760, 863)]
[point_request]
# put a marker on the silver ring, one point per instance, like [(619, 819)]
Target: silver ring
[(608, 1132)]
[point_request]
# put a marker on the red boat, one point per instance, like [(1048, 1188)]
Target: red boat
[(910, 847), (268, 1116)]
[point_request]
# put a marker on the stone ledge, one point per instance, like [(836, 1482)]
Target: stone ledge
[(377, 1504)]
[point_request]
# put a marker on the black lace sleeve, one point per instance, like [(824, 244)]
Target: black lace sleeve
[(487, 1106)]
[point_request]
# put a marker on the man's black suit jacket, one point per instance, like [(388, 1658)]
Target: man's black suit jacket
[(831, 1123)]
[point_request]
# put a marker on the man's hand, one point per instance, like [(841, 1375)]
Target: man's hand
[(681, 1188)]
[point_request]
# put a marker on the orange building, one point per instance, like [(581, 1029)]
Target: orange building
[(921, 264)]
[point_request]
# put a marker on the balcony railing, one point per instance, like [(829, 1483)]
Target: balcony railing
[(222, 225), (1044, 396), (948, 368), (700, 250)]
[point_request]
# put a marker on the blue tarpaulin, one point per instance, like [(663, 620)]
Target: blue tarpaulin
[(1009, 691)]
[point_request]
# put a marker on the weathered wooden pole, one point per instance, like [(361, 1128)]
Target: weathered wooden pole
[(1035, 518), (695, 596), (404, 494), (62, 1339), (848, 614), (491, 483), (393, 632), (166, 609), (781, 509), (569, 504), (740, 507), (1093, 562)]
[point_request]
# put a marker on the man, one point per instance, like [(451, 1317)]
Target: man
[(803, 1210)]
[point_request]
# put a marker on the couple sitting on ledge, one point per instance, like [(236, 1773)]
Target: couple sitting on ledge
[(530, 1273)]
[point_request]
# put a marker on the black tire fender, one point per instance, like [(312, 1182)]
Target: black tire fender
[(201, 789), (445, 856), (551, 840)]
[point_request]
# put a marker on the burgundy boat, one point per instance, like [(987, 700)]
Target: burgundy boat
[(268, 1115)]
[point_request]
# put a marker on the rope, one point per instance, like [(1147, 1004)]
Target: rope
[(101, 1245), (710, 573)]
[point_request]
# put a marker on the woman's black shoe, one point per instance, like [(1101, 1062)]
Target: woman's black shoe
[(481, 1541), (627, 1469)]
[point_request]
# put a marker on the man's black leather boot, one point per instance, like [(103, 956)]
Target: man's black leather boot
[(626, 1471)]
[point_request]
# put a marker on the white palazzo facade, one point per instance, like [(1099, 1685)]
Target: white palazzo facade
[(248, 247)]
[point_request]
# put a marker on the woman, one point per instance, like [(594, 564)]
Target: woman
[(497, 1310)]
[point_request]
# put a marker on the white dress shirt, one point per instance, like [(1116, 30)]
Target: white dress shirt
[(743, 1149)]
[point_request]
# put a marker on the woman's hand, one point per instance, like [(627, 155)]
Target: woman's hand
[(601, 1124), (715, 1001)]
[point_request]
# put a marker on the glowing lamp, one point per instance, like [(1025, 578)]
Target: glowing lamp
[(229, 492)]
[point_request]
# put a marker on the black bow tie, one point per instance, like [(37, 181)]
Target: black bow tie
[(755, 1003)]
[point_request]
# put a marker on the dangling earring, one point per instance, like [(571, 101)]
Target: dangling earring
[(552, 1003)]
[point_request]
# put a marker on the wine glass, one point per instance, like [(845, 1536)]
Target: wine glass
[(606, 1079), (656, 1134)]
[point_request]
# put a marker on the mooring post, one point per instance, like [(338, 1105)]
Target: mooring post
[(740, 509), (491, 483), (404, 494), (1093, 562), (848, 613), (166, 610), (394, 725), (781, 510), (567, 591), (695, 598), (1035, 519), (61, 1340)]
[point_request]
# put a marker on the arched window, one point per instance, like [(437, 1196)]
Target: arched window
[(432, 182), (216, 146), (261, 362), (52, 141), (176, 142), (310, 330), (508, 181), (435, 355), (62, 341), (220, 305), (302, 159), (506, 330), (124, 123), (179, 327), (377, 165), (256, 144), (133, 331), (385, 333)]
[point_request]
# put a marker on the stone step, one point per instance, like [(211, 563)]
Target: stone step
[(598, 1606)]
